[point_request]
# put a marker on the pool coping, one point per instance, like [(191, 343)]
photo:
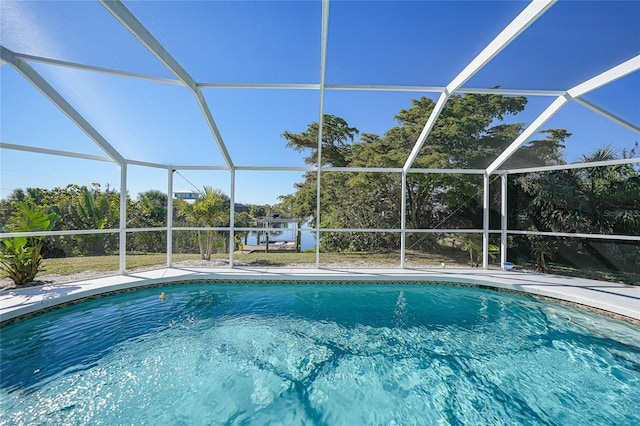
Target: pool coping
[(614, 299)]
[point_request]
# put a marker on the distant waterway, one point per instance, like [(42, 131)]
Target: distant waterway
[(287, 234)]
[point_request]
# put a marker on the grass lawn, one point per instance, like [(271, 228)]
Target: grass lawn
[(74, 265), (450, 257)]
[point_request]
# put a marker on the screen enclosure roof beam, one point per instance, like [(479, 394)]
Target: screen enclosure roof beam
[(93, 68), (558, 167), (47, 151), (628, 67), (135, 27), (56, 98), (611, 116), (288, 86), (528, 16)]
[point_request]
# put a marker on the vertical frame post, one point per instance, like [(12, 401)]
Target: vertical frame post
[(170, 218), (323, 70), (318, 203), (503, 220), (122, 247), (232, 212), (485, 222), (403, 220)]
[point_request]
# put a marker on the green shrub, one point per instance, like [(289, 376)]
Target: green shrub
[(21, 257)]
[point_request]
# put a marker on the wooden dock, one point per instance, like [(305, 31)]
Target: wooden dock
[(262, 248)]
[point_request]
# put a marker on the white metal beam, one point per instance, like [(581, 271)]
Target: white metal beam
[(613, 237), (135, 27), (232, 212), (403, 220), (4, 145), (287, 86), (278, 168), (213, 127), (323, 72), (122, 245), (376, 88), (630, 66), (515, 92), (50, 93), (431, 121), (363, 169), (278, 86), (363, 230), (92, 68), (551, 110), (503, 219), (627, 67), (617, 162), (384, 88), (528, 16), (611, 116), (445, 231), (178, 167), (59, 233), (169, 218), (485, 222), (148, 164), (449, 171)]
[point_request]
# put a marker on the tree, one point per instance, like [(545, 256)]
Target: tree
[(8, 206), (208, 211), (597, 200), (336, 139), (589, 200), (541, 152), (149, 211), (469, 134), (242, 220), (92, 209), (259, 210), (79, 208)]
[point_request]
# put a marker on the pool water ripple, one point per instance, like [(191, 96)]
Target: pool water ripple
[(319, 354)]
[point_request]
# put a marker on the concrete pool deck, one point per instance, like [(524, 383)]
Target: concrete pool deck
[(614, 298)]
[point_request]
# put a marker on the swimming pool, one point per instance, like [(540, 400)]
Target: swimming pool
[(319, 354)]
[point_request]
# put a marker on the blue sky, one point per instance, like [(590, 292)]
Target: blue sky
[(370, 43)]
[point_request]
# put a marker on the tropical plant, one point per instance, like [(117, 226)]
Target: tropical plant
[(474, 248), (597, 200), (21, 257), (149, 211), (210, 210), (542, 249), (87, 209)]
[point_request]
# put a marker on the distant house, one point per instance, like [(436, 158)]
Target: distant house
[(240, 208), (192, 196), (187, 195)]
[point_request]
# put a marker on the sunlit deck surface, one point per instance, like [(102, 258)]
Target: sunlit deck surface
[(615, 299)]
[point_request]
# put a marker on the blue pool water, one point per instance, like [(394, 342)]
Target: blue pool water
[(306, 354)]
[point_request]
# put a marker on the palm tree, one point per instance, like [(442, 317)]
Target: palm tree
[(94, 210), (597, 200), (208, 211)]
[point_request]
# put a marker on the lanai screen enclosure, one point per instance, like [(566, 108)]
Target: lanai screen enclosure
[(174, 95)]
